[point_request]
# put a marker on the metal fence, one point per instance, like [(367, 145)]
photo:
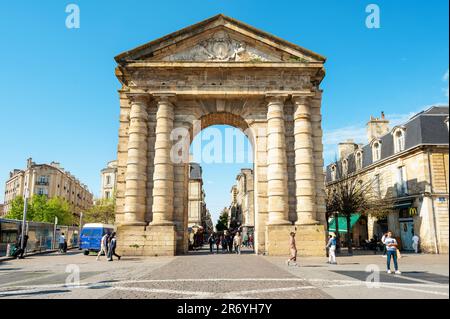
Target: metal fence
[(41, 236)]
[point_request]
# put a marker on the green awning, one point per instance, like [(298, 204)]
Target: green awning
[(342, 222)]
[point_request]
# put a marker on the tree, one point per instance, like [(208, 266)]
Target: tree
[(16, 211), (42, 209), (222, 223), (351, 194), (102, 212), (58, 207)]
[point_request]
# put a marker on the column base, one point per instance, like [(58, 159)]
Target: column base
[(146, 240), (134, 224), (311, 240), (307, 222), (162, 223)]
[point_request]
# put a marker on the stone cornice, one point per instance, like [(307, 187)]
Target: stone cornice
[(180, 64)]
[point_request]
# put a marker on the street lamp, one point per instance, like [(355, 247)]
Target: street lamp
[(79, 230), (24, 220)]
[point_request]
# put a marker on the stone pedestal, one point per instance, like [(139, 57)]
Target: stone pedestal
[(310, 240), (146, 240), (277, 239)]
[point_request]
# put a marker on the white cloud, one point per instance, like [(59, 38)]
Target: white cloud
[(445, 79), (446, 76)]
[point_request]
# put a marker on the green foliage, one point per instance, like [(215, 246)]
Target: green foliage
[(101, 212), (223, 221), (16, 211), (42, 209)]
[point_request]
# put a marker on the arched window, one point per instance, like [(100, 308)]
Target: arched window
[(344, 166), (359, 159), (333, 172), (399, 139), (376, 150)]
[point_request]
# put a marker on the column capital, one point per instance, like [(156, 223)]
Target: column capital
[(136, 97), (275, 97), (164, 97), (302, 98)]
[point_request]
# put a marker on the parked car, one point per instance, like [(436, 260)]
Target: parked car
[(91, 236)]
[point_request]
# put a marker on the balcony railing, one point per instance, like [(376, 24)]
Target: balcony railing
[(42, 183)]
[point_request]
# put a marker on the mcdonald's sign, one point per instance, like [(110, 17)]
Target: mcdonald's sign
[(412, 211)]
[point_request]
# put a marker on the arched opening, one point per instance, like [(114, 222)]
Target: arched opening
[(221, 192)]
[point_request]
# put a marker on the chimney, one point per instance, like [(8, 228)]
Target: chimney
[(377, 127), (55, 164), (29, 162), (346, 148)]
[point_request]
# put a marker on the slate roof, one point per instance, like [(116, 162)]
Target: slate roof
[(426, 127)]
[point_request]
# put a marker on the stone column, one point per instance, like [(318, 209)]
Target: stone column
[(163, 176), (316, 120), (304, 162), (136, 171), (277, 179)]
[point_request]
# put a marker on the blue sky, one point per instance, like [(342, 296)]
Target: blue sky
[(58, 89)]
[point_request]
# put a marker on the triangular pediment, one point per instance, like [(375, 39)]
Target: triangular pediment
[(220, 39)]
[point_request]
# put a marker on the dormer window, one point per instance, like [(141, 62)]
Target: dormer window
[(344, 167), (399, 139), (359, 159), (376, 150), (333, 172)]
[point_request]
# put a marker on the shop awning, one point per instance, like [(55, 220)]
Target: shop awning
[(342, 223)]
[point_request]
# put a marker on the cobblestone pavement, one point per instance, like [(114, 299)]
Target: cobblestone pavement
[(202, 275)]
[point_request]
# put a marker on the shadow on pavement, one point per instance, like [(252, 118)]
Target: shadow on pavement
[(34, 293), (391, 278)]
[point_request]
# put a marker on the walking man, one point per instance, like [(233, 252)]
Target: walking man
[(62, 242), (332, 249), (112, 247), (211, 242), (293, 250), (237, 241), (103, 246), (391, 247)]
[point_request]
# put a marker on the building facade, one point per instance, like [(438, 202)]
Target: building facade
[(407, 164), (220, 71), (109, 178), (50, 180), (242, 212), (197, 211)]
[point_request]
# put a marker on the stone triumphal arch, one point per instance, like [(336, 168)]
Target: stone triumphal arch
[(219, 71)]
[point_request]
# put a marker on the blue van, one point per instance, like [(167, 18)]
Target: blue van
[(91, 236)]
